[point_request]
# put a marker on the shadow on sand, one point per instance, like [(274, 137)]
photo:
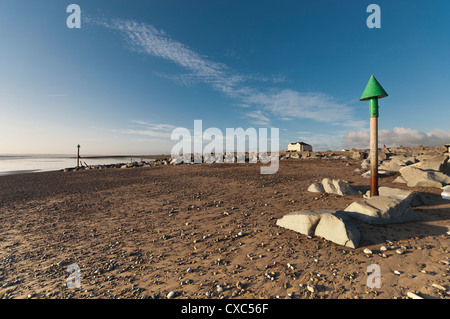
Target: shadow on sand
[(433, 216)]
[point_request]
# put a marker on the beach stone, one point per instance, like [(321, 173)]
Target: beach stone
[(413, 295), (176, 160), (380, 210), (336, 227), (393, 165), (316, 188), (434, 163), (303, 221), (358, 155), (365, 164), (415, 198), (399, 180), (229, 158), (332, 186), (446, 192), (171, 295), (380, 174), (416, 177), (337, 186)]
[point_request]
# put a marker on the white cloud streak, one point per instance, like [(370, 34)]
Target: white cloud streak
[(283, 104)]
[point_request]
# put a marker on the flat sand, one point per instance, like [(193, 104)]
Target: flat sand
[(144, 232)]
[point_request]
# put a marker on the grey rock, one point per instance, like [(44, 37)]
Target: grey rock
[(302, 221), (383, 210), (326, 223), (446, 192), (336, 227), (332, 186), (380, 174), (433, 163), (171, 295), (316, 188), (415, 198), (416, 177)]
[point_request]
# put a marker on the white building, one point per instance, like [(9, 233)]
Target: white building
[(299, 147)]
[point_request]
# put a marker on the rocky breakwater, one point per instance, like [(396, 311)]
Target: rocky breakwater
[(118, 165)]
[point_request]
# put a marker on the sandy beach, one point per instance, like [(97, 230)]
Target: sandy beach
[(207, 231)]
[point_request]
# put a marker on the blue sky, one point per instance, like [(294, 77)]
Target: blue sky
[(136, 70)]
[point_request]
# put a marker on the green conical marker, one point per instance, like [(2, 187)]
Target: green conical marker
[(373, 92)]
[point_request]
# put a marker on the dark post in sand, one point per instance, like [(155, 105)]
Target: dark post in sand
[(78, 156), (372, 93)]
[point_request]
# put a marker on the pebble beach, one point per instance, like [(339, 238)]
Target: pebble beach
[(208, 231)]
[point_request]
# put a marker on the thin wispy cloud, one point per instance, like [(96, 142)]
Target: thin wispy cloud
[(258, 118), (144, 128), (283, 104)]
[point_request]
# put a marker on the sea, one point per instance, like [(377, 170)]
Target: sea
[(16, 164)]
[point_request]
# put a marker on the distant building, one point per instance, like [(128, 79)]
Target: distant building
[(299, 147)]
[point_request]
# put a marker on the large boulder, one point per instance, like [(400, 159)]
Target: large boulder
[(434, 163), (414, 198), (337, 186), (338, 228), (316, 188), (393, 165), (380, 210), (332, 186), (416, 177), (358, 155), (303, 221), (332, 225)]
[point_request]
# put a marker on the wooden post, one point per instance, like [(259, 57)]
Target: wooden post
[(373, 156), (78, 156), (372, 93)]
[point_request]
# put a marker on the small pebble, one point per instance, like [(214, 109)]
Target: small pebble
[(367, 251), (310, 288), (170, 295), (439, 287), (413, 295)]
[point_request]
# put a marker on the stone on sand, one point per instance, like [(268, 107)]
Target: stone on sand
[(338, 228), (446, 192), (434, 163), (303, 221), (380, 174), (326, 223), (379, 210), (332, 186), (316, 188), (416, 177), (415, 198), (393, 165)]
